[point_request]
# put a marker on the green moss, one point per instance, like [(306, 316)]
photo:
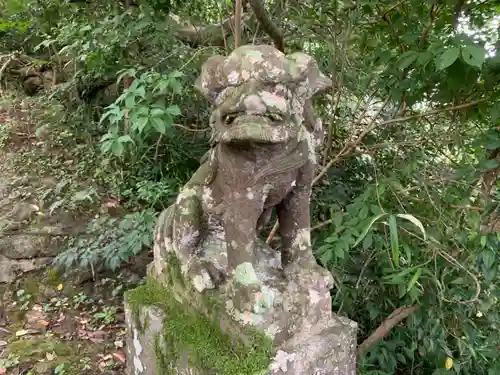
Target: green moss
[(31, 286), (53, 276), (37, 347), (188, 330), (173, 270)]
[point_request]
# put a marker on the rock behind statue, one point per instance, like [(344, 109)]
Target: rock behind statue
[(264, 134)]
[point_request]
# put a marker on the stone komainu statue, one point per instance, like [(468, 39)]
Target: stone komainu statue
[(264, 134)]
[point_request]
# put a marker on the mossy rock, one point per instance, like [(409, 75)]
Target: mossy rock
[(189, 329)]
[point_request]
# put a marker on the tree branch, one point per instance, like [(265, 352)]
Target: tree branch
[(213, 34), (267, 24), (383, 329), (349, 147), (237, 23)]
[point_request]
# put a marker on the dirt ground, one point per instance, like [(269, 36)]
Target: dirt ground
[(51, 323), (49, 326)]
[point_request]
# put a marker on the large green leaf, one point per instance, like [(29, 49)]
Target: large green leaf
[(447, 58), (474, 55)]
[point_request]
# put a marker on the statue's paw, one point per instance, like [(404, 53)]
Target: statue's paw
[(204, 275), (310, 272), (247, 297)]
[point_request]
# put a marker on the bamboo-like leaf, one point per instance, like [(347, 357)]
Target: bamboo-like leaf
[(365, 231), (393, 234), (415, 221), (414, 279)]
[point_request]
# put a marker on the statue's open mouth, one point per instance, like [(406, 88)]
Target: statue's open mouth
[(256, 129)]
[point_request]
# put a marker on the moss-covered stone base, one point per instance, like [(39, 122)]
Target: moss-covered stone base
[(169, 335)]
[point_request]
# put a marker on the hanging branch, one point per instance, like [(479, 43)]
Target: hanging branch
[(237, 23), (213, 34), (267, 24)]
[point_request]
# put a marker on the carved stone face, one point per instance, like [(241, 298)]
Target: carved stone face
[(259, 93), (255, 112)]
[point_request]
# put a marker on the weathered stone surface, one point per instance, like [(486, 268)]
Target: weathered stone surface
[(141, 351), (27, 246), (10, 268), (263, 156), (27, 240), (305, 337)]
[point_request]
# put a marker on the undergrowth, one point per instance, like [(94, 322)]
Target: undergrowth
[(405, 215)]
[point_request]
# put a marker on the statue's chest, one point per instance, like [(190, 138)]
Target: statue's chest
[(234, 180), (266, 175)]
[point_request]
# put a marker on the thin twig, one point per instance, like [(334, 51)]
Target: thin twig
[(322, 224), (351, 146), (432, 113), (191, 129), (392, 8), (470, 208), (455, 262)]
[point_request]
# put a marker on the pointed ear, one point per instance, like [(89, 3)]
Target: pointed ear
[(209, 81), (314, 81)]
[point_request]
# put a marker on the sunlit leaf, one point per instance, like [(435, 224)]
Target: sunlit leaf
[(393, 235), (415, 221), (474, 55), (368, 227)]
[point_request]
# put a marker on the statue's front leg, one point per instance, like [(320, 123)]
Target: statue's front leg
[(295, 231), (241, 215), (242, 212), (294, 227)]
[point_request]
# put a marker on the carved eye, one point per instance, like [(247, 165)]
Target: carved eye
[(229, 119), (275, 117)]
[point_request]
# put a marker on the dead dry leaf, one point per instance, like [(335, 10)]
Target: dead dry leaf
[(21, 332), (36, 317), (119, 356), (50, 356)]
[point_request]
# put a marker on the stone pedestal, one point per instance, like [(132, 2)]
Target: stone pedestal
[(174, 329)]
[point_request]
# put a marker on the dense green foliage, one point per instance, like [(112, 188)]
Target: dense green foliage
[(407, 211)]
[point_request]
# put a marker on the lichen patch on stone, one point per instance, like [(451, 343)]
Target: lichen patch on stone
[(281, 361), (245, 274)]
